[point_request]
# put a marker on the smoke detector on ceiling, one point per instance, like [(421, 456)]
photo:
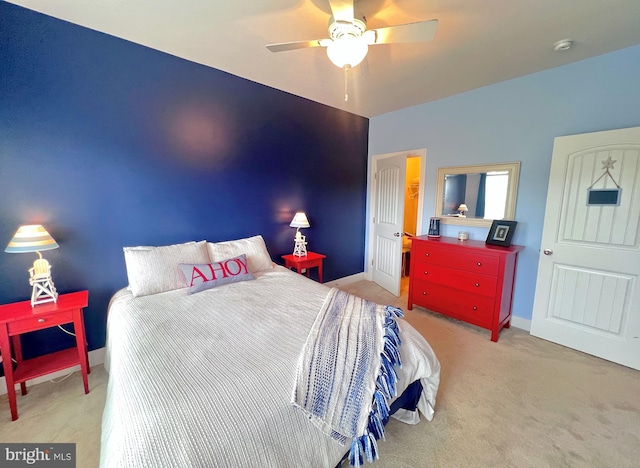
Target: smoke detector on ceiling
[(563, 45)]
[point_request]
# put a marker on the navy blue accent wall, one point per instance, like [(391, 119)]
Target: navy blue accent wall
[(110, 144)]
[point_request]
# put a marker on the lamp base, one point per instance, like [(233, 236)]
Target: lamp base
[(43, 292), (40, 278), (300, 249)]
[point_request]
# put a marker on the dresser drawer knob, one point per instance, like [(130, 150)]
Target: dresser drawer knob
[(426, 272), (426, 255), (477, 285), (424, 293), (41, 320), (479, 263), (475, 308)]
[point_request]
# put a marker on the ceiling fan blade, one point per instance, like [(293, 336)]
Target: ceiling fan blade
[(342, 10), (284, 46), (422, 31)]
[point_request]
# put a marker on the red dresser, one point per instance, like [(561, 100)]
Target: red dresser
[(467, 280)]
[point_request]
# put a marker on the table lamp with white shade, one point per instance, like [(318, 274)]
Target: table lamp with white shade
[(300, 221), (35, 238)]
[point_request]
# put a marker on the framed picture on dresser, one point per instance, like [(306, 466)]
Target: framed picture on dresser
[(501, 232)]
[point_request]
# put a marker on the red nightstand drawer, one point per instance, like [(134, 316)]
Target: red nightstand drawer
[(311, 260), (309, 263), (38, 322)]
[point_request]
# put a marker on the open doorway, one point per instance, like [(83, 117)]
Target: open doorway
[(410, 222)]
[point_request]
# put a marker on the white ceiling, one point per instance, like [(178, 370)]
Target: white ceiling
[(477, 42)]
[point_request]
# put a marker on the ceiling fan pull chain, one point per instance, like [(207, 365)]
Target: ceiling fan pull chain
[(346, 82)]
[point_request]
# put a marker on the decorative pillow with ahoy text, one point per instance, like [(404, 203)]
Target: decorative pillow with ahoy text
[(209, 275)]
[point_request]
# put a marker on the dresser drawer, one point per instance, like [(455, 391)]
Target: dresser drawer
[(466, 260), (457, 279), (38, 322), (471, 308)]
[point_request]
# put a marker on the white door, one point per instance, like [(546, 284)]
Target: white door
[(388, 219), (587, 292)]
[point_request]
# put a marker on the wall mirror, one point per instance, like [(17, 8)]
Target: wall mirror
[(476, 195)]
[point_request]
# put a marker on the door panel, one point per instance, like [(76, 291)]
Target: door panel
[(578, 296), (604, 225), (388, 222), (587, 292)]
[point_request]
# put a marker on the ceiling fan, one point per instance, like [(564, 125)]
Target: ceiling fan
[(349, 39)]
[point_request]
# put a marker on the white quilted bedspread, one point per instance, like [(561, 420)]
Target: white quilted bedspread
[(205, 380)]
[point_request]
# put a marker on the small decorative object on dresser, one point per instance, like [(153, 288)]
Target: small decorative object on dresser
[(434, 227), (501, 232), (469, 281)]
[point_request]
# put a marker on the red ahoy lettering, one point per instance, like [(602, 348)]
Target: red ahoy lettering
[(235, 267), (196, 273), (232, 267)]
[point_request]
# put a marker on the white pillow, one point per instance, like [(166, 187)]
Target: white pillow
[(253, 247), (153, 270)]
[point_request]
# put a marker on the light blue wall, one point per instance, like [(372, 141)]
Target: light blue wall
[(516, 120)]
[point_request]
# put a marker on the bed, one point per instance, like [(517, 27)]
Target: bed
[(204, 378)]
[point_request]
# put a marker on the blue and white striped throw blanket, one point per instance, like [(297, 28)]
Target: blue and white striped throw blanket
[(346, 373)]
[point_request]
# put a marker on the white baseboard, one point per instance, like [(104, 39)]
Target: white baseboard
[(96, 357), (522, 323), (346, 280)]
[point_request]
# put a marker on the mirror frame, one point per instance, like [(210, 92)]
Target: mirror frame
[(513, 168)]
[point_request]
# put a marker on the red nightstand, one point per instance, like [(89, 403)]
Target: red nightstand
[(310, 260), (21, 317)]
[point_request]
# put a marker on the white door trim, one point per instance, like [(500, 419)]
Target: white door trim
[(373, 165)]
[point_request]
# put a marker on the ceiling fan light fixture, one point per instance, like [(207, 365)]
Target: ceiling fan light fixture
[(347, 50)]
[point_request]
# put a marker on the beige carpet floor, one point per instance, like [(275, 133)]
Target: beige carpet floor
[(520, 402)]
